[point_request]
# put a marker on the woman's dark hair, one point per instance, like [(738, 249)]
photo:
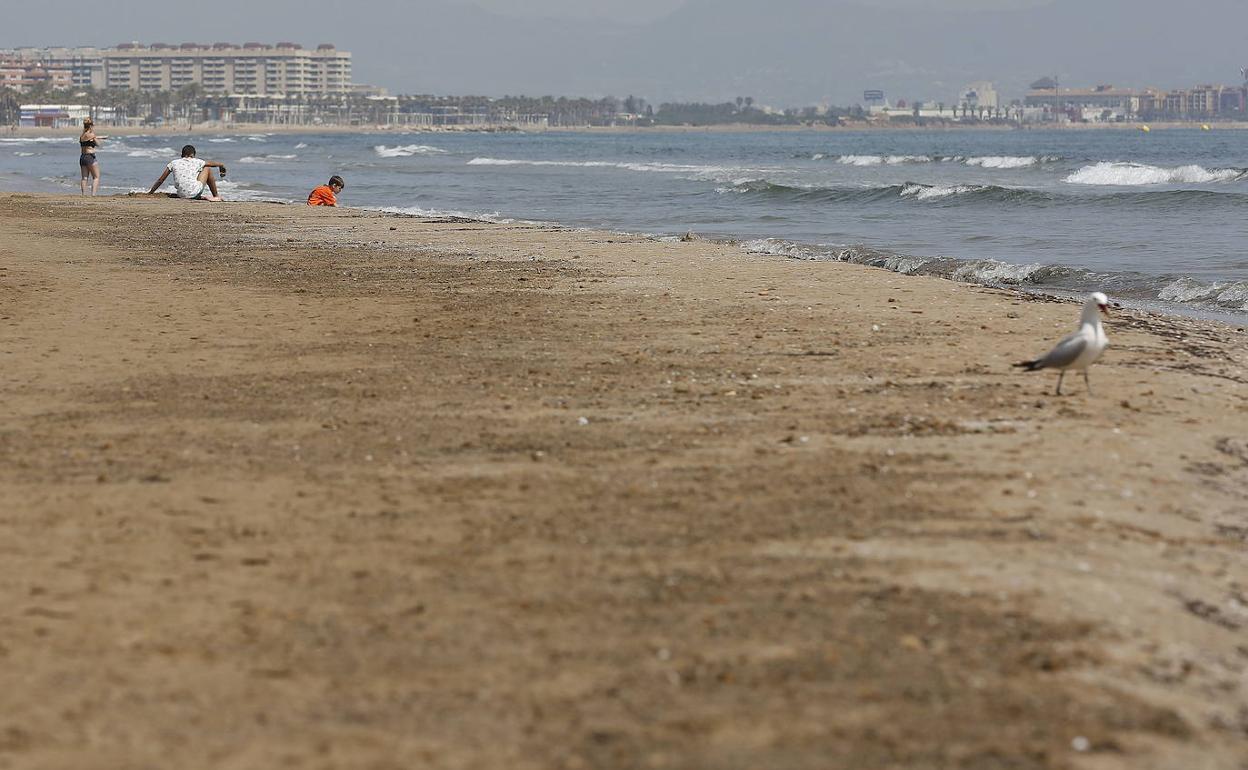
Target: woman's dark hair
[(188, 150), (337, 180)]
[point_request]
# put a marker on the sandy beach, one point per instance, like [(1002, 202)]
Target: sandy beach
[(285, 487)]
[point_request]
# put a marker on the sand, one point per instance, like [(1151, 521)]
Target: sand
[(284, 487)]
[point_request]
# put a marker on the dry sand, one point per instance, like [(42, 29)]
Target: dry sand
[(284, 487)]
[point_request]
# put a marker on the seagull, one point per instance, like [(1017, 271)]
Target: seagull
[(1079, 350)]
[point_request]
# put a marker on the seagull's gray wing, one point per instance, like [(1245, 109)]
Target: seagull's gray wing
[(1063, 353)]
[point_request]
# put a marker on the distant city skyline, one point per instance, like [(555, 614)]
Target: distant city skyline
[(791, 52)]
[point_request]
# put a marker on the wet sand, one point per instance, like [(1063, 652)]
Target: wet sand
[(284, 487)]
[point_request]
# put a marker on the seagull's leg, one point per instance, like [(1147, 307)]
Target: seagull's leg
[(1059, 381), (1087, 382)]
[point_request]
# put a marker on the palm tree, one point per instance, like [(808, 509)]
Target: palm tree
[(188, 97)]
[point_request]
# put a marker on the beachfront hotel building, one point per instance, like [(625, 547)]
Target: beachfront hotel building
[(251, 69)]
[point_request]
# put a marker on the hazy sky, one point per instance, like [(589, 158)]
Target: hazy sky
[(635, 11), (782, 52)]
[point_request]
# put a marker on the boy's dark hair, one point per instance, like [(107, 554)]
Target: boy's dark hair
[(337, 180), (188, 151)]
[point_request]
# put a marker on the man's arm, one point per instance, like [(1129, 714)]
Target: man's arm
[(214, 164), (159, 182)]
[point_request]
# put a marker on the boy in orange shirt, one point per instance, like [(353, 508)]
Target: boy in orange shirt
[(327, 194)]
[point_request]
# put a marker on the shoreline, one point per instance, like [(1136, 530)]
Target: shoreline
[(864, 254), (1160, 309), (236, 129), (341, 487)]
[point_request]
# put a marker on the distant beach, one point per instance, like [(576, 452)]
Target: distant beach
[(249, 128)]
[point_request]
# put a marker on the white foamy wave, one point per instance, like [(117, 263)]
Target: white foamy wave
[(1185, 290), (221, 140), (898, 263), (992, 271), (1230, 295), (158, 154), (1133, 174), (234, 191), (818, 156), (879, 160), (780, 248), (25, 154), (1002, 161), (35, 140), (701, 172), (265, 159), (406, 151), (924, 192), (301, 146), (492, 217)]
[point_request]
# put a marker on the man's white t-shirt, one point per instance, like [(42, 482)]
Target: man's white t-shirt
[(186, 176)]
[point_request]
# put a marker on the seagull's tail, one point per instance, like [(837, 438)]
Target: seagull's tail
[(1030, 366)]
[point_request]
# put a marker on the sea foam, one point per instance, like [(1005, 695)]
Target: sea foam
[(878, 160), (406, 151), (1003, 161), (265, 159), (719, 173), (1135, 174), (156, 154), (925, 192)]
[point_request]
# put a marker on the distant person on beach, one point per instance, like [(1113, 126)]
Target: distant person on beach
[(327, 194), (192, 177), (88, 164)]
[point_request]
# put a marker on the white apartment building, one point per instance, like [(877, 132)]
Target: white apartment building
[(981, 93), (252, 69), (84, 65)]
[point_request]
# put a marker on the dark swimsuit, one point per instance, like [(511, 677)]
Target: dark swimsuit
[(87, 158)]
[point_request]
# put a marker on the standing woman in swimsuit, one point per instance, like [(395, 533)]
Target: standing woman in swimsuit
[(88, 164)]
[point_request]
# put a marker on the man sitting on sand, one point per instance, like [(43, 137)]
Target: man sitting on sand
[(327, 194), (192, 177)]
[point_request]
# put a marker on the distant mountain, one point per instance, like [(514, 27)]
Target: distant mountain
[(782, 52)]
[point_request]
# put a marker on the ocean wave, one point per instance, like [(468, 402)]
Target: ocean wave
[(877, 160), (1216, 296), (417, 211), (26, 154), (241, 191), (156, 154), (301, 146), (221, 140), (265, 159), (927, 192), (909, 191), (406, 151), (1134, 174), (1003, 161), (36, 140), (1229, 295), (701, 172)]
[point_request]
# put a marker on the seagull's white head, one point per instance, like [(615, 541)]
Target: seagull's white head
[(1100, 301)]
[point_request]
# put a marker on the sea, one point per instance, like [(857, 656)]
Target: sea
[(1155, 219)]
